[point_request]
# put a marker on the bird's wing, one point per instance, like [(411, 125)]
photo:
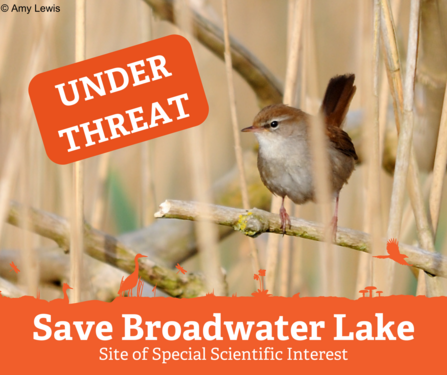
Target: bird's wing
[(341, 141), (339, 93), (392, 247)]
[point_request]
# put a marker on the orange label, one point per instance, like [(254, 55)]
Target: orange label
[(119, 99), (220, 335)]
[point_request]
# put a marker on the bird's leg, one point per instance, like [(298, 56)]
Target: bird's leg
[(285, 218), (334, 221)]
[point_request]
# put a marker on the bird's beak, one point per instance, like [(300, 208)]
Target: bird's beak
[(143, 256), (251, 129)]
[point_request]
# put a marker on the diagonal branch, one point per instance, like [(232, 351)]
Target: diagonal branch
[(266, 87), (108, 249), (9, 290), (255, 222)]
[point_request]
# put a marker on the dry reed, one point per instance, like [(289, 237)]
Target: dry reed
[(236, 131), (206, 233), (289, 98), (77, 234)]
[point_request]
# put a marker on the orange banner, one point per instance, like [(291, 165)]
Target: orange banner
[(222, 334)]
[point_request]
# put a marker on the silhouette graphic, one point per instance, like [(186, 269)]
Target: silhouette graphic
[(180, 269), (210, 294), (392, 247), (370, 289), (260, 292), (64, 300), (256, 277), (234, 295), (14, 267), (154, 289), (132, 280), (140, 285)]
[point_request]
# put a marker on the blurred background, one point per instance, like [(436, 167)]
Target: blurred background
[(124, 189)]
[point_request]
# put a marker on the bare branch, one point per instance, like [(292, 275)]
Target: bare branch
[(108, 249), (267, 89), (255, 222), (10, 290)]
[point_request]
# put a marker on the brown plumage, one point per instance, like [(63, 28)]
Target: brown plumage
[(284, 159)]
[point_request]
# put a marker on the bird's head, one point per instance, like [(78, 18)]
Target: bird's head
[(138, 256), (277, 122), (65, 286)]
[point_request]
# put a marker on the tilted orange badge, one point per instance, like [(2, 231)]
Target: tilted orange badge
[(118, 99)]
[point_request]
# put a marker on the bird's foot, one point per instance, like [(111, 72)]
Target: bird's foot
[(285, 220)]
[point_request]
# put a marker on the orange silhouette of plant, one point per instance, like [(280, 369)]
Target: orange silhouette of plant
[(261, 292), (14, 267), (154, 289), (392, 247), (259, 276), (180, 269), (363, 292), (38, 294), (140, 286), (1, 293), (234, 295), (210, 294), (371, 290)]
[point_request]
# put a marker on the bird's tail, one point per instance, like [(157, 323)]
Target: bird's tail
[(338, 96), (381, 256)]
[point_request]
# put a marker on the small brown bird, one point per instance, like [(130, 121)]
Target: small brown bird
[(284, 159)]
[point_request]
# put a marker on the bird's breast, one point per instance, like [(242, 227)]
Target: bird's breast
[(285, 168)]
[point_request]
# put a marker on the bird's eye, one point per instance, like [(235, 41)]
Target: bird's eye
[(274, 124)]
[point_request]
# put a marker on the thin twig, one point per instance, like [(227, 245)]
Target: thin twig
[(255, 222)]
